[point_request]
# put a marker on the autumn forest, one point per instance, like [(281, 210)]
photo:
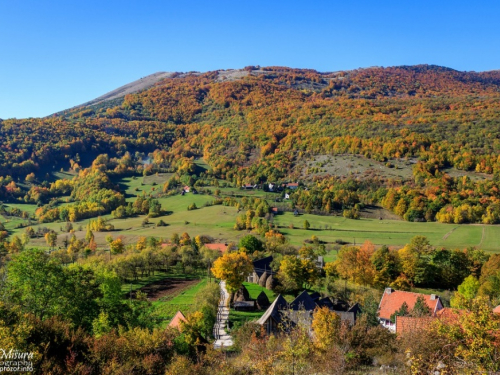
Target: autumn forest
[(200, 175)]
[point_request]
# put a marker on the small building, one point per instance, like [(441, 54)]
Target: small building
[(186, 189), (287, 196), (291, 185), (272, 318), (244, 306), (176, 320), (221, 247), (496, 310), (274, 210), (262, 301), (392, 300), (260, 267), (271, 186), (249, 186)]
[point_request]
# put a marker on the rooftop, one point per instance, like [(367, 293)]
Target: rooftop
[(392, 300)]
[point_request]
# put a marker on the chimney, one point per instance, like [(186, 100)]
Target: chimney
[(388, 290), (433, 297)]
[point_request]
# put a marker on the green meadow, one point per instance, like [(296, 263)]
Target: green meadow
[(164, 309), (218, 221), (387, 232)]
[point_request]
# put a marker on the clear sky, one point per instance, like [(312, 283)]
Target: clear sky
[(58, 54)]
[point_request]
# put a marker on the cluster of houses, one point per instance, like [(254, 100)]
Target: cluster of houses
[(272, 187), (282, 315), (302, 308)]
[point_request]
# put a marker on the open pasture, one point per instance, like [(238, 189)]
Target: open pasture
[(388, 232)]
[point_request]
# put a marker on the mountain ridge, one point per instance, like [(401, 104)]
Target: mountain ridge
[(224, 75)]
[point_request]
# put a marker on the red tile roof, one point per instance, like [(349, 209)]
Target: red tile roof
[(217, 246), (405, 324), (496, 310), (449, 315), (392, 302), (176, 320)]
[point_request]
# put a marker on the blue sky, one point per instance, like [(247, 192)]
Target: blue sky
[(58, 54)]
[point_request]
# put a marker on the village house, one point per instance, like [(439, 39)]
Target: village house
[(406, 324), (221, 247), (392, 300), (261, 271), (249, 186), (282, 315), (291, 185), (176, 320)]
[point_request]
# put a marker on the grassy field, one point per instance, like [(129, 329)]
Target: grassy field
[(237, 318), (355, 166), (359, 167), (255, 289), (134, 186), (165, 308), (218, 221), (388, 232)]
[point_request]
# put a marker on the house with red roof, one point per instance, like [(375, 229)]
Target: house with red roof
[(410, 324), (176, 320), (405, 324), (496, 310), (392, 300), (222, 247)]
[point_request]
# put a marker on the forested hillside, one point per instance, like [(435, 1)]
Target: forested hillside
[(261, 124), (116, 217)]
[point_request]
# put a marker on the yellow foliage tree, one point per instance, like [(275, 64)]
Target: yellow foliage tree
[(232, 268), (325, 325)]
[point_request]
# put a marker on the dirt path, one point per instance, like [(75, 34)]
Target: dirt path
[(448, 234), (482, 239)]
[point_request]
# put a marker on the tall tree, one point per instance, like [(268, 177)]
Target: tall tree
[(233, 268)]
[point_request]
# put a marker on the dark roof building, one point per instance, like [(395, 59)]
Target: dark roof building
[(272, 318), (281, 315), (263, 265), (303, 302)]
